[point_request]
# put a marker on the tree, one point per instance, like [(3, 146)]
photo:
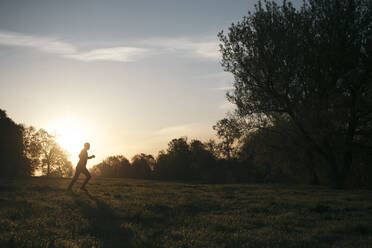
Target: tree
[(201, 157), (113, 166), (202, 160), (32, 147), (212, 146), (277, 152), (228, 129), (13, 161), (56, 162), (180, 157), (49, 151), (45, 154), (310, 66), (175, 162), (143, 165)]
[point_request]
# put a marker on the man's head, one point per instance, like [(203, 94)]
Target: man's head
[(86, 146)]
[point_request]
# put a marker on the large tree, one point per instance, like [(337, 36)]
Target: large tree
[(45, 154), (310, 66), (13, 161)]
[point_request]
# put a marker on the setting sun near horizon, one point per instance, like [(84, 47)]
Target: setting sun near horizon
[(71, 133)]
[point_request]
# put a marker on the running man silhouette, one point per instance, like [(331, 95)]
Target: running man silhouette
[(81, 168)]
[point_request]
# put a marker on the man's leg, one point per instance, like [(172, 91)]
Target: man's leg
[(87, 174), (76, 176)]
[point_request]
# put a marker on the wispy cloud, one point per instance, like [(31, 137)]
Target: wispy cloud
[(67, 50), (225, 88), (119, 54), (177, 130), (204, 48), (191, 130), (49, 45)]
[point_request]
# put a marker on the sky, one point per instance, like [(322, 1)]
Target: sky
[(127, 76)]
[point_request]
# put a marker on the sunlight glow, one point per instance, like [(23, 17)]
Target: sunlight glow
[(71, 133)]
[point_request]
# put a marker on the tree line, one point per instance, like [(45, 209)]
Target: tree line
[(183, 160)]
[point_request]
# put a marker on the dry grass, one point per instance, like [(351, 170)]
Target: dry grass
[(132, 213)]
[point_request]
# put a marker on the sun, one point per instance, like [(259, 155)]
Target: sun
[(70, 133)]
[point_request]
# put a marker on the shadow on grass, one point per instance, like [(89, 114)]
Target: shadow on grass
[(104, 221)]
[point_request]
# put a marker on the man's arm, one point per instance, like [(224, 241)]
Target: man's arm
[(91, 157)]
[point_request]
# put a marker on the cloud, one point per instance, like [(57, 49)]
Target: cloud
[(177, 130), (225, 88), (162, 136), (204, 48), (49, 45), (67, 50), (119, 54)]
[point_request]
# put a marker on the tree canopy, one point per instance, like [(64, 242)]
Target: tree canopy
[(311, 67), (13, 162)]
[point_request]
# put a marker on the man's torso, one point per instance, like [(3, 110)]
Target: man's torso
[(83, 158)]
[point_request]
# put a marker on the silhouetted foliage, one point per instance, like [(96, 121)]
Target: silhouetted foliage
[(175, 163), (202, 161), (213, 147), (312, 68), (113, 166), (142, 165), (183, 160), (279, 156), (13, 161), (45, 154), (32, 147), (229, 131)]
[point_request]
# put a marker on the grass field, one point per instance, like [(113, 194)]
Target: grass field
[(132, 213)]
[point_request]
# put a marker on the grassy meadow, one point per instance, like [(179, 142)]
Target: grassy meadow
[(38, 212)]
